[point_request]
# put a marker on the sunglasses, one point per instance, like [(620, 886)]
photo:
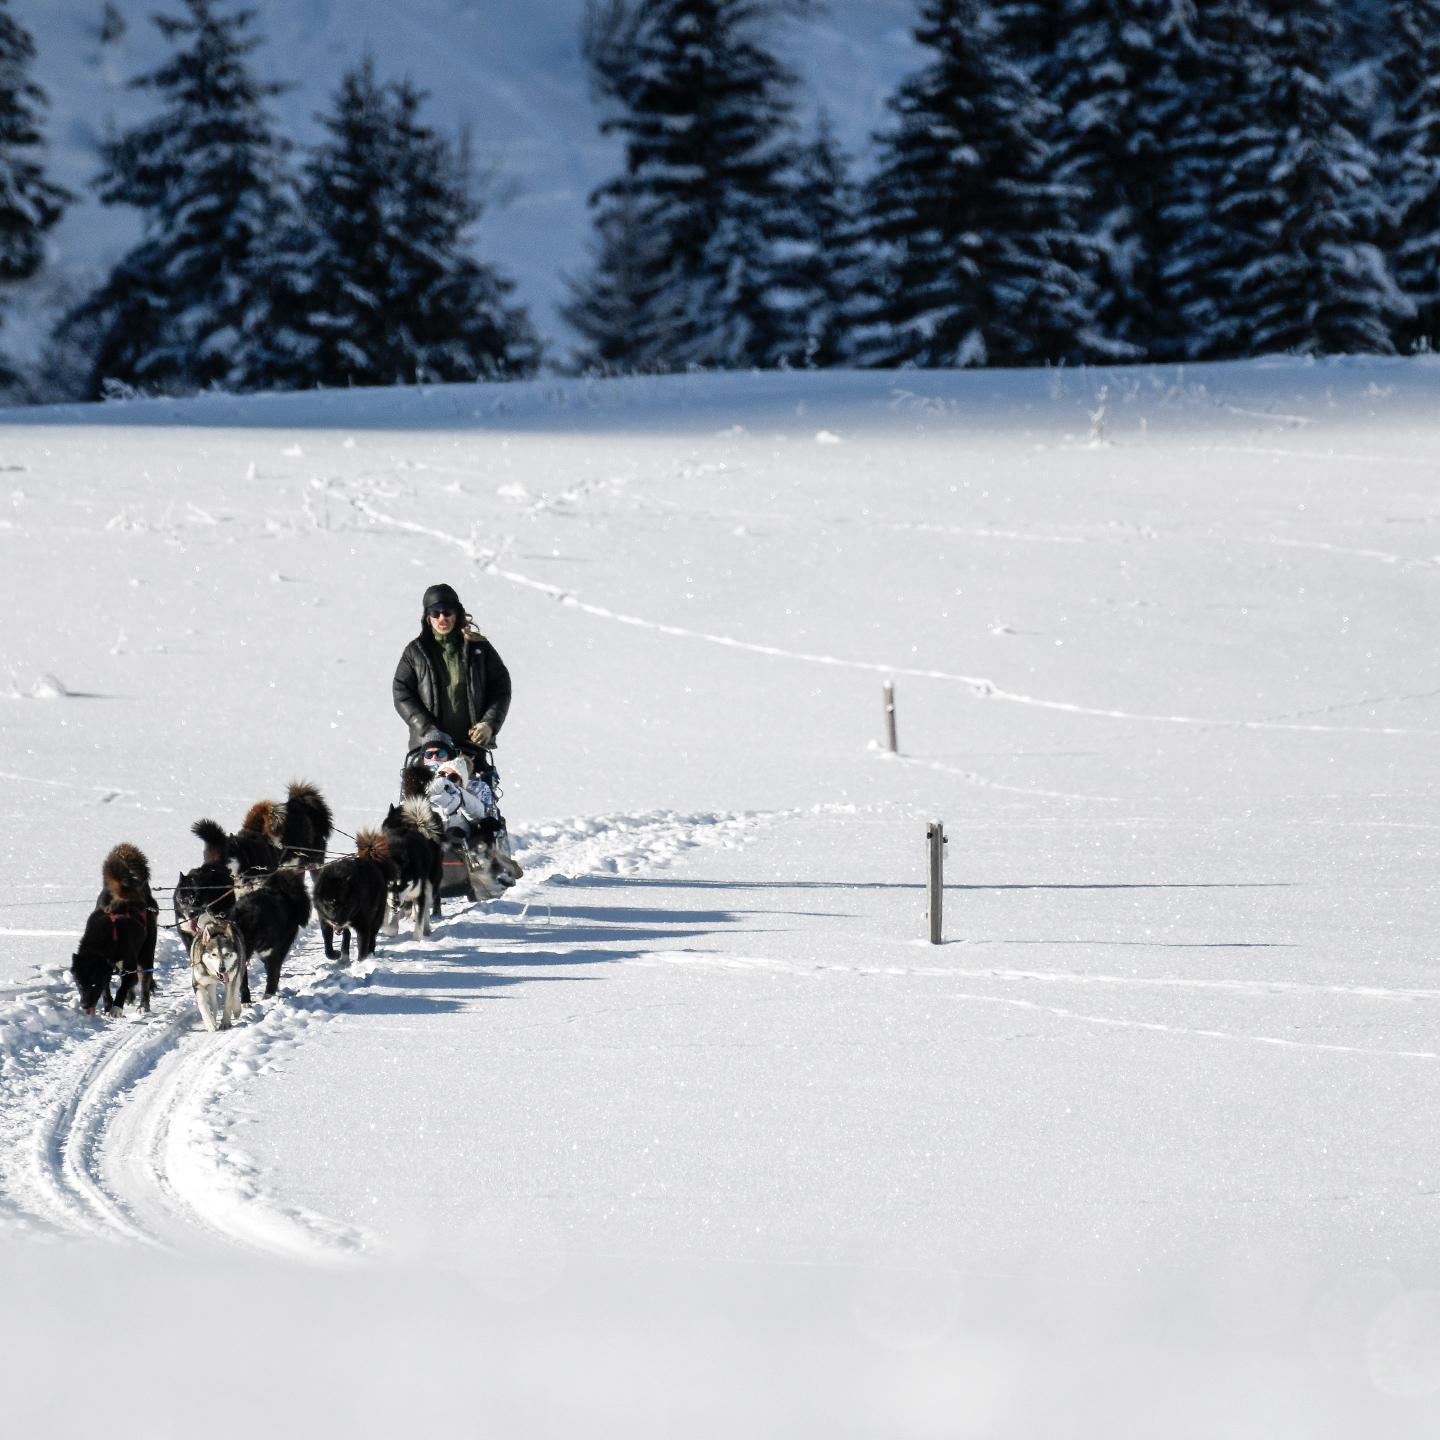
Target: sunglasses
[(437, 752), (438, 612)]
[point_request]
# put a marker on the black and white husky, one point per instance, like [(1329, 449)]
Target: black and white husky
[(351, 893), (413, 836), (217, 960)]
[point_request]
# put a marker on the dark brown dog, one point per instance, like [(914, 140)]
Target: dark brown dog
[(119, 935)]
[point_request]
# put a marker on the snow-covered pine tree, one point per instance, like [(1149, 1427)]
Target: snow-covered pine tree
[(977, 234), (1409, 143), (373, 283), (1113, 80), (1214, 237), (1030, 30), (206, 173), (823, 277), (1290, 195), (455, 312), (607, 305), (29, 203), (704, 109)]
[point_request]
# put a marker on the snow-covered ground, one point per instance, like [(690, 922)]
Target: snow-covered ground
[(694, 1134), (508, 74)]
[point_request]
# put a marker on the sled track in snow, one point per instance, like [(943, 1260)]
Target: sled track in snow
[(109, 1134), (118, 1130), (64, 1181)]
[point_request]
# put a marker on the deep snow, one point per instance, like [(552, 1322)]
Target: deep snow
[(693, 1134)]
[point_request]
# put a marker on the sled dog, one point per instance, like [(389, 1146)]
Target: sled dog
[(269, 911), (412, 833), (246, 852), (351, 895), (205, 889), (120, 934), (217, 958), (299, 828)]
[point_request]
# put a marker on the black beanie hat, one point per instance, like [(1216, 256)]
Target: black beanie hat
[(442, 595)]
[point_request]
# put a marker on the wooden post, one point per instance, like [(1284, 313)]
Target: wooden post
[(890, 717), (935, 887)]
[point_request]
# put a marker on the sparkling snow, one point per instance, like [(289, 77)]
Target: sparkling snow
[(693, 1133)]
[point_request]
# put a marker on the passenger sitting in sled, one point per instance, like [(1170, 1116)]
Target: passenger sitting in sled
[(459, 798), (469, 810)]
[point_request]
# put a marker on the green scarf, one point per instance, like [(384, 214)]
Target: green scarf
[(452, 701)]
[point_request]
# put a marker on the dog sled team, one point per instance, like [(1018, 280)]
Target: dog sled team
[(248, 898)]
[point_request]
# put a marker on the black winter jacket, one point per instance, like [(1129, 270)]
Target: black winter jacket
[(417, 686)]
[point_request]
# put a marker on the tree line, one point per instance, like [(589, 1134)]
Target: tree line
[(1058, 181)]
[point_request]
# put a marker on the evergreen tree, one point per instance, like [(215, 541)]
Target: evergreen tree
[(607, 306), (29, 203), (373, 283), (704, 110), (1410, 150), (1030, 30), (1289, 195), (977, 234), (823, 278), (1220, 134), (206, 173), (1117, 94)]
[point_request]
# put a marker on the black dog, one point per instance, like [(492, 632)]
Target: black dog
[(413, 834), (269, 913), (299, 829), (208, 887), (350, 894), (415, 780), (244, 853), (119, 935)]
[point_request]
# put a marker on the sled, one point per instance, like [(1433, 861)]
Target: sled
[(456, 875)]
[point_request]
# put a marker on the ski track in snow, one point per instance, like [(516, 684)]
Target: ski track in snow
[(121, 1129), (983, 688)]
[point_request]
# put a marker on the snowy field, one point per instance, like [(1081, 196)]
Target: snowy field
[(693, 1134)]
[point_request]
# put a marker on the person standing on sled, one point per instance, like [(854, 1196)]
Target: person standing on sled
[(451, 679)]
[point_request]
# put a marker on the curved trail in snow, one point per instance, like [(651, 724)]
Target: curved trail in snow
[(983, 688), (105, 1127), (120, 1130)]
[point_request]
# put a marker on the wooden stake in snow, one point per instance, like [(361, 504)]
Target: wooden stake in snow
[(935, 887), (890, 717)]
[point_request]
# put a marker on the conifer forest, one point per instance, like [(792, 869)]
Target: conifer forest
[(1058, 182)]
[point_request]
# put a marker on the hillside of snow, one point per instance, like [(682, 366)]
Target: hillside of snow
[(693, 1133)]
